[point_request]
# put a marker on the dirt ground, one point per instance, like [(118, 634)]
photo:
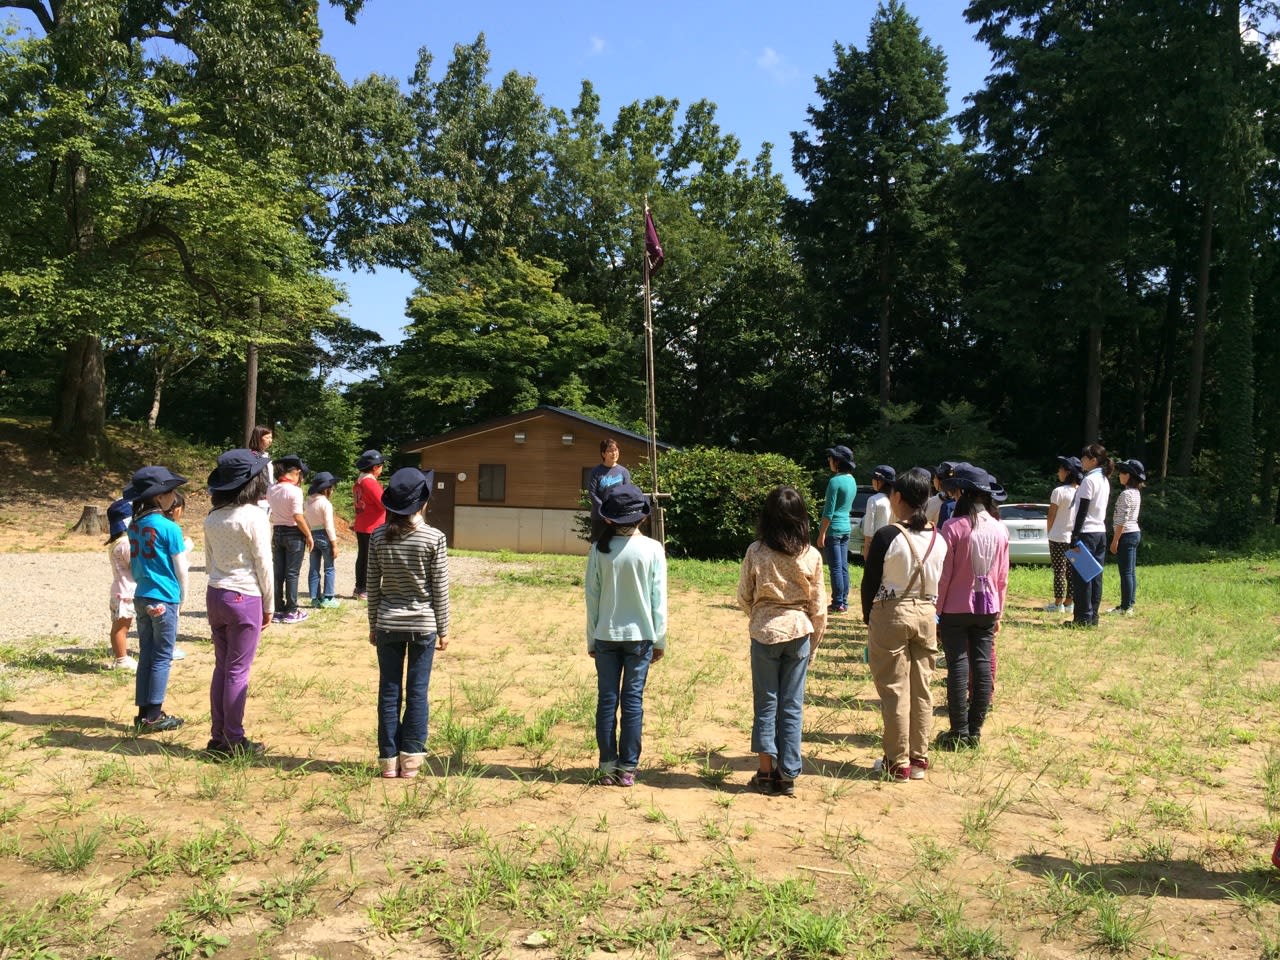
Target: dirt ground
[(999, 837)]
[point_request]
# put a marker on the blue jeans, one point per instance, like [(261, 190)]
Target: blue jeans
[(1127, 560), (156, 639), (1088, 596), (321, 555), (836, 553), (288, 546), (778, 673), (621, 672), (403, 732)]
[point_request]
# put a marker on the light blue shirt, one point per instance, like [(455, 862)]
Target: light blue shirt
[(626, 592), (154, 543)]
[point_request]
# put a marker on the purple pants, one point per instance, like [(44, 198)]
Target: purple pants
[(235, 619)]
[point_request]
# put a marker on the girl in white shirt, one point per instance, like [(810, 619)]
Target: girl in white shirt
[(1090, 529), (1059, 522), (899, 593), (318, 512)]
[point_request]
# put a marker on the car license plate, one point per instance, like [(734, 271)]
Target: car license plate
[(1028, 534)]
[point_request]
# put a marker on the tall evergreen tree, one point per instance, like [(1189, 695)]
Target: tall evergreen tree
[(874, 235)]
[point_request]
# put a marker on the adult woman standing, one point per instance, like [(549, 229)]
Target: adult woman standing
[(605, 475), (1090, 529), (971, 596), (899, 596), (408, 618), (835, 529), (238, 558), (260, 439), (366, 496), (1126, 534), (1059, 522)]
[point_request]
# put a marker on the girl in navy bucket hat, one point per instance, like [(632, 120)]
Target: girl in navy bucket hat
[(1127, 534), (122, 586), (408, 583), (155, 548)]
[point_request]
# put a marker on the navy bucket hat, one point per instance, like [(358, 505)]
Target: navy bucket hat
[(966, 476), (408, 491), (324, 480), (624, 504), (235, 468), (369, 459), (118, 515), (1134, 468), (151, 482), (841, 454)]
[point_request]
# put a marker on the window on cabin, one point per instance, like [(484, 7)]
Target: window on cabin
[(492, 485)]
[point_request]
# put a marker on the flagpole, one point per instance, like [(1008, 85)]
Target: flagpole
[(651, 408)]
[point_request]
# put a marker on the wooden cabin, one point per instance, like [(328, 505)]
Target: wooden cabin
[(515, 482)]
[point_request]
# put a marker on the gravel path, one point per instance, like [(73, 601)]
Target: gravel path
[(64, 595)]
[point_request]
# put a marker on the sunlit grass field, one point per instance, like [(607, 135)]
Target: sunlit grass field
[(1124, 801)]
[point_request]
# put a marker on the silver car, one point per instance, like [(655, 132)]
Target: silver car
[(1028, 526)]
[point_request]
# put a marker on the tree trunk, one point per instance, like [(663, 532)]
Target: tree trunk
[(80, 419), (1093, 384), (1195, 380), (886, 310), (156, 390), (90, 521)]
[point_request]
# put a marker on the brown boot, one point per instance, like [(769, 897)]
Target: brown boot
[(410, 764)]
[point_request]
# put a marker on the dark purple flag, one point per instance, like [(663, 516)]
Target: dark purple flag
[(652, 245)]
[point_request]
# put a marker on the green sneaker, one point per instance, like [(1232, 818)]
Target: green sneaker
[(329, 603)]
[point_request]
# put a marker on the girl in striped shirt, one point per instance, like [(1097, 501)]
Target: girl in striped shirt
[(408, 583), (1126, 535)]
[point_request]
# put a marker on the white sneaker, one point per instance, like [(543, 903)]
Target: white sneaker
[(179, 653), (125, 663), (1054, 608)]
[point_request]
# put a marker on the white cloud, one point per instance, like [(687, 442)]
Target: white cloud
[(597, 45), (774, 64)]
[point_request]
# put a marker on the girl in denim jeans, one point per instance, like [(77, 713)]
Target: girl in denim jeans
[(780, 587), (157, 560), (408, 583), (1126, 534), (626, 593)]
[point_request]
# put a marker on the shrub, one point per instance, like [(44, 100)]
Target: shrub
[(716, 495)]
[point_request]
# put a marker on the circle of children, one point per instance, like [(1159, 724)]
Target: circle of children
[(936, 566)]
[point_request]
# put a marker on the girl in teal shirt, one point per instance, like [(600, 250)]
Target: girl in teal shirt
[(833, 534)]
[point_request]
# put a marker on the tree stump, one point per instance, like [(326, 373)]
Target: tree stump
[(90, 521)]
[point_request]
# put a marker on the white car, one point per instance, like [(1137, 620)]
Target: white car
[(1028, 526)]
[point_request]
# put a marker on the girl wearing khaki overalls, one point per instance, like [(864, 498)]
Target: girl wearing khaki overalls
[(899, 593)]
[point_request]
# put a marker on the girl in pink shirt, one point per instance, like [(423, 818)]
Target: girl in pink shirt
[(971, 595)]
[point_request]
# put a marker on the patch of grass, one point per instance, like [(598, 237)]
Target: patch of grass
[(69, 852)]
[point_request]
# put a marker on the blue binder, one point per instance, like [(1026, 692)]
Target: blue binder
[(1086, 565)]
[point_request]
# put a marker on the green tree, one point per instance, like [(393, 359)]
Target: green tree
[(874, 235), (491, 338), (98, 114)]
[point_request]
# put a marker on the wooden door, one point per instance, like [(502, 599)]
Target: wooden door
[(440, 514)]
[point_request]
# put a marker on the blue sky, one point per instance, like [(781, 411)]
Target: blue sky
[(756, 61)]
